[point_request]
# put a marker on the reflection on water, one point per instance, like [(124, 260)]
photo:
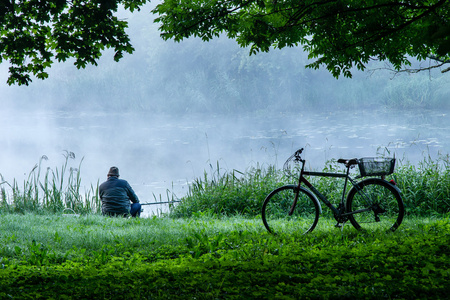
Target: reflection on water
[(160, 153)]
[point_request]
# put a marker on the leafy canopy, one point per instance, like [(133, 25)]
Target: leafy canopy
[(34, 33), (340, 34)]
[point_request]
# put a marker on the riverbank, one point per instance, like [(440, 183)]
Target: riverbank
[(425, 188)]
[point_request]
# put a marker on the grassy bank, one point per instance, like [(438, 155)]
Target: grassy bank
[(46, 256), (425, 190), (213, 244)]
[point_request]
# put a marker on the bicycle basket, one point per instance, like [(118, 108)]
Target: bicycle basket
[(376, 166)]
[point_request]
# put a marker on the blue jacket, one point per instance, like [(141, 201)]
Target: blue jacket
[(116, 195)]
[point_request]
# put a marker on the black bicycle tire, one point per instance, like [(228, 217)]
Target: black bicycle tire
[(373, 182), (293, 188)]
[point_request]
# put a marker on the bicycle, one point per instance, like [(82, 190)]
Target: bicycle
[(371, 203)]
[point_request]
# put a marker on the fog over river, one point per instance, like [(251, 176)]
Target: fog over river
[(170, 111), (160, 153)]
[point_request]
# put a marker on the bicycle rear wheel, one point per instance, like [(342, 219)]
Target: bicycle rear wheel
[(276, 207), (382, 202)]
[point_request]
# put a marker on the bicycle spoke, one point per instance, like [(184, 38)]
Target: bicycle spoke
[(276, 210), (383, 203)]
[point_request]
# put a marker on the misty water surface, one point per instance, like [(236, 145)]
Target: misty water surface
[(164, 153), (122, 113)]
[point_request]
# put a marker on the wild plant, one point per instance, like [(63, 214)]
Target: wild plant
[(55, 191), (425, 185), (228, 193)]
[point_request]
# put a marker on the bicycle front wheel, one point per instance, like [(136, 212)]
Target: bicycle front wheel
[(278, 204), (379, 203)]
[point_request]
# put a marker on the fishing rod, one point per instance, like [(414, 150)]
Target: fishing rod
[(166, 202)]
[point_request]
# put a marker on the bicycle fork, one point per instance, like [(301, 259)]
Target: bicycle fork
[(297, 190)]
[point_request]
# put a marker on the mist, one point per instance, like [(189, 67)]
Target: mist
[(171, 111)]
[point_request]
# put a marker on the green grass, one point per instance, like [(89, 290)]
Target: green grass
[(425, 186), (45, 256), (213, 244)]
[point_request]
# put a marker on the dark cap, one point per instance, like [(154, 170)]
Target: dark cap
[(113, 171)]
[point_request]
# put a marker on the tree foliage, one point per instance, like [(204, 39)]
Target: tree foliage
[(34, 33), (340, 34)]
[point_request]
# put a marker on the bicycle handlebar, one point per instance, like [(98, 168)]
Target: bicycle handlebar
[(297, 154), (294, 157)]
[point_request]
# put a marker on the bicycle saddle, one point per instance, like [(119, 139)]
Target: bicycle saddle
[(348, 162)]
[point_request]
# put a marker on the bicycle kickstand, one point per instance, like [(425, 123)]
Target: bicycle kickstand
[(340, 225)]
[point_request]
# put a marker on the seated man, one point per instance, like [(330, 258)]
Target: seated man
[(116, 195)]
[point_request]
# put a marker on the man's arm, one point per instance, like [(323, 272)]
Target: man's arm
[(131, 194)]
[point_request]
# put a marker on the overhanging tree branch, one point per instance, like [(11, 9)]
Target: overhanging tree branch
[(34, 33), (339, 34)]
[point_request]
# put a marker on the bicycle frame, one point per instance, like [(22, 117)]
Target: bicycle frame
[(336, 211)]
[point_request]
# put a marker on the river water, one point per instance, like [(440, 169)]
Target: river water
[(164, 153)]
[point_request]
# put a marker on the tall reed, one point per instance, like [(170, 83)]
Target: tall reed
[(426, 185), (55, 191)]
